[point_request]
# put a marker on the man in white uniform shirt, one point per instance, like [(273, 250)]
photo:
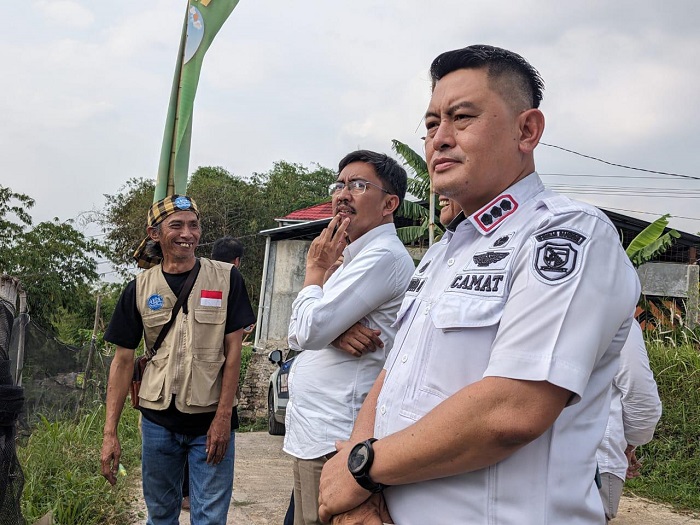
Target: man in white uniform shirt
[(496, 393), (342, 319), (635, 409)]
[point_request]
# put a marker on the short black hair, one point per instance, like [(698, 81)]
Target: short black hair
[(510, 73), (227, 249), (387, 169)]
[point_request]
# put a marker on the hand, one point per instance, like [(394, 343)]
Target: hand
[(110, 456), (328, 246), (371, 512), (338, 491), (358, 340), (218, 439), (634, 466), (337, 264)]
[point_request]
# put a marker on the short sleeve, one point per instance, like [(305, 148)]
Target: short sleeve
[(125, 329), (561, 317), (239, 312)]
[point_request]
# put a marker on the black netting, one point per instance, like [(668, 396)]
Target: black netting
[(11, 479), (11, 401)]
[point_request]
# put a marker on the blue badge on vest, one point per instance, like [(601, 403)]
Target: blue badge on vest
[(182, 203), (155, 302)]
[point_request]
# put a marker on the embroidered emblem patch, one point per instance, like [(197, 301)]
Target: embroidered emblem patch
[(502, 241), (211, 298), (557, 254), (155, 302), (424, 266), (488, 258), (488, 217), (182, 203)]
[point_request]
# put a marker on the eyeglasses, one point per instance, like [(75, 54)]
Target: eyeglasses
[(355, 187)]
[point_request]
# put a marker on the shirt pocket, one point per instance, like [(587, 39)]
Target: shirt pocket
[(208, 330), (454, 350)]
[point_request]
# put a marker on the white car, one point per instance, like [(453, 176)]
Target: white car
[(278, 391)]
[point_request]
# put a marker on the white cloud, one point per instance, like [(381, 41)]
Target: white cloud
[(65, 13)]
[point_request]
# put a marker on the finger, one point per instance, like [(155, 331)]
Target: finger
[(340, 232), (327, 232)]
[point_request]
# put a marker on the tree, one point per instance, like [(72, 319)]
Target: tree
[(56, 265), (418, 186), (229, 205), (16, 204), (288, 187)]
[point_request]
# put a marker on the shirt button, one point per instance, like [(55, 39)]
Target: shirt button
[(404, 358), (427, 310), (450, 262), (382, 409)]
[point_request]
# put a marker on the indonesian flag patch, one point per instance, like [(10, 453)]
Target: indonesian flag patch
[(211, 298)]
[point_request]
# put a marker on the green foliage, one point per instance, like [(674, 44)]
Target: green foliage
[(246, 355), (418, 186), (651, 241), (123, 220), (54, 262), (60, 461), (288, 187), (228, 204), (672, 459)]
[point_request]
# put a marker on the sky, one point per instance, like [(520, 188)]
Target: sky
[(86, 87)]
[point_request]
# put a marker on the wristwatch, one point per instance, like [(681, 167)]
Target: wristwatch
[(359, 462)]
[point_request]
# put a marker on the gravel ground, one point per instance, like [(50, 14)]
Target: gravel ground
[(263, 483)]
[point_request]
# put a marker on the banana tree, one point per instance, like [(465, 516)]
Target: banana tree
[(418, 186), (651, 241)]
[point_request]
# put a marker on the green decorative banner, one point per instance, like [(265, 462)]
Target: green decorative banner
[(203, 20)]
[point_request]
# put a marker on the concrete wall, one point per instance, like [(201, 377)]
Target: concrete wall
[(673, 280), (285, 277)]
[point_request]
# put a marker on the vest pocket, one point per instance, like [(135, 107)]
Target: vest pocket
[(205, 385), (209, 329), (153, 382)]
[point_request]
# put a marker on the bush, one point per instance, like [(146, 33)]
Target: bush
[(61, 465), (672, 459)]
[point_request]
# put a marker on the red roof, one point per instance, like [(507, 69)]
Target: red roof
[(312, 213)]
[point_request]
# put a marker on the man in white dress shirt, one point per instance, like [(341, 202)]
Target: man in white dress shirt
[(496, 393), (635, 409), (342, 319)]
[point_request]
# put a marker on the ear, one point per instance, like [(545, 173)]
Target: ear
[(531, 127), (237, 262), (153, 233), (391, 203)]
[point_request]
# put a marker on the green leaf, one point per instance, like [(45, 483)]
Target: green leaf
[(651, 241), (410, 234)]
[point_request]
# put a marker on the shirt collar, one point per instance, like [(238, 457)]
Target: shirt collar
[(355, 247), (490, 217)]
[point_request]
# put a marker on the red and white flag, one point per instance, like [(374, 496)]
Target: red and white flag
[(211, 298)]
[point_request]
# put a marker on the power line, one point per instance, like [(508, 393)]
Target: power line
[(649, 213), (620, 165)]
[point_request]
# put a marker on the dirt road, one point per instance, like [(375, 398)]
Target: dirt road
[(263, 484)]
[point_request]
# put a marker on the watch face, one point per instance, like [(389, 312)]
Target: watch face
[(358, 458)]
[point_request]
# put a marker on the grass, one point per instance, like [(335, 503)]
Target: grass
[(60, 459), (61, 465), (672, 459)]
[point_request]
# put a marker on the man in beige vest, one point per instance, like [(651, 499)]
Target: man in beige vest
[(187, 395)]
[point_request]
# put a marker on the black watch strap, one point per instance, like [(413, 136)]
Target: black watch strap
[(362, 477)]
